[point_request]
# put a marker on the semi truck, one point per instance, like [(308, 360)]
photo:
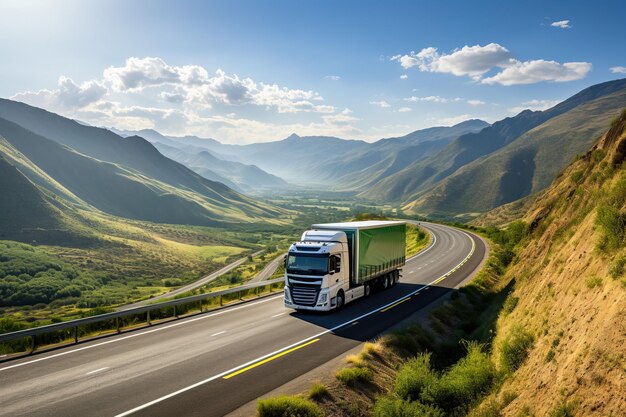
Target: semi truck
[(336, 263)]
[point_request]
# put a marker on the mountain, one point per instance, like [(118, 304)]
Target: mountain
[(525, 166), (328, 161), (126, 177), (412, 182), (569, 290)]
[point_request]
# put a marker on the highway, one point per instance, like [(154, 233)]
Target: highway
[(210, 364)]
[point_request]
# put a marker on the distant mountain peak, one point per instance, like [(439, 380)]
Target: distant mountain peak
[(293, 136)]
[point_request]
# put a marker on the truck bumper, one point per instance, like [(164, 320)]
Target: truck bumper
[(320, 307)]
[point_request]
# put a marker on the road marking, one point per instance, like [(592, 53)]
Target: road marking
[(393, 305), (97, 370), (410, 272), (271, 358), (218, 333), (279, 314), (157, 329), (315, 336)]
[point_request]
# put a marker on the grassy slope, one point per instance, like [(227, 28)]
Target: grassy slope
[(572, 290), (525, 166)]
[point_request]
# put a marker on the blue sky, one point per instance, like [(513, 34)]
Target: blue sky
[(244, 71)]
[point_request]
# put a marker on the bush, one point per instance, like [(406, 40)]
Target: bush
[(354, 375), (509, 304), (564, 409), (318, 391), (514, 349), (612, 223), (287, 406), (576, 176), (617, 268), (415, 375), (397, 407), (593, 281), (464, 382)]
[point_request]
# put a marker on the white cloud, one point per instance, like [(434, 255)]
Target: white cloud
[(333, 77), (404, 109), (67, 96), (139, 73), (531, 72), (534, 105), (563, 24), (473, 61), (433, 99), (477, 61), (618, 70), (404, 77), (383, 104), (475, 102)]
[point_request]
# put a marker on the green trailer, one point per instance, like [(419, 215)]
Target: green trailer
[(375, 247)]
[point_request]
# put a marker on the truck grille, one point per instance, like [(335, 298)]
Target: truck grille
[(304, 295)]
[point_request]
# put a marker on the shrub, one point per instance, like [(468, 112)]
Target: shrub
[(287, 406), (396, 407), (514, 349), (564, 408), (612, 223), (318, 391), (550, 355), (352, 376), (576, 176), (593, 281), (509, 304), (617, 268), (463, 383), (415, 375)]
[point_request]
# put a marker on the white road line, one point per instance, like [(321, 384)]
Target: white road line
[(339, 326), (157, 329), (410, 272), (218, 333), (97, 370), (279, 314)]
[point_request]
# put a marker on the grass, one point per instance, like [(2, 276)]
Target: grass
[(318, 392), (416, 239), (288, 406), (514, 349), (353, 376), (593, 281), (389, 406)]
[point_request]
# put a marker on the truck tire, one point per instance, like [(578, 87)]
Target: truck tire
[(385, 282), (367, 290), (340, 300)]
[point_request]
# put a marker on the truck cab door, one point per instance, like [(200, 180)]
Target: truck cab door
[(336, 269)]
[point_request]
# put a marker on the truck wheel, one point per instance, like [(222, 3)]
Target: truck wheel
[(340, 300), (367, 290), (396, 277), (385, 282)]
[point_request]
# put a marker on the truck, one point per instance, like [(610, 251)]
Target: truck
[(336, 263)]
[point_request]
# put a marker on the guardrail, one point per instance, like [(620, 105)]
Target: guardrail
[(116, 315)]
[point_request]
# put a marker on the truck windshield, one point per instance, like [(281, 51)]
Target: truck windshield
[(307, 264)]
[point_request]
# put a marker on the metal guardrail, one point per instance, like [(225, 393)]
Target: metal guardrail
[(33, 332)]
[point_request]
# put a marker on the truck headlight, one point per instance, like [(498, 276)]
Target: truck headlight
[(287, 297), (323, 298)]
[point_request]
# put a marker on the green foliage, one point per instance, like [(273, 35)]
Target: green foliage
[(564, 408), (509, 304), (617, 268), (550, 355), (610, 219), (31, 276), (414, 376), (593, 281), (288, 406), (354, 375), (514, 349), (576, 176), (388, 406), (318, 391)]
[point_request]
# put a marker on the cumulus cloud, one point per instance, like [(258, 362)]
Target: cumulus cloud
[(477, 61), (531, 72), (563, 24), (333, 77), (67, 96), (433, 99), (404, 77), (383, 104), (618, 70), (534, 105), (404, 109), (475, 102)]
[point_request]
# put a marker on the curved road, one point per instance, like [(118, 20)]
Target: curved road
[(210, 364)]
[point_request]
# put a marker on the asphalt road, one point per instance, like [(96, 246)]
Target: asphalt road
[(269, 269), (210, 364)]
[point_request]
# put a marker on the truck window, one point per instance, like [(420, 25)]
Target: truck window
[(305, 263)]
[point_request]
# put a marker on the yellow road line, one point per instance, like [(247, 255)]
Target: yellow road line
[(393, 305), (271, 358)]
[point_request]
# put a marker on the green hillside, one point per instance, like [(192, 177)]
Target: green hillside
[(525, 166), (424, 174)]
